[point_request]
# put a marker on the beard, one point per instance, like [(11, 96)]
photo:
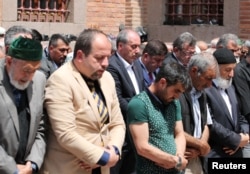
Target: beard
[(224, 83), (15, 83)]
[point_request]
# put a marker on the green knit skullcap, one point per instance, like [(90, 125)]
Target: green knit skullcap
[(26, 49)]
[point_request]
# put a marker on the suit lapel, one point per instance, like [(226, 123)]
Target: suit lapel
[(32, 109), (190, 103), (138, 75), (7, 94), (232, 99), (223, 105), (145, 74), (105, 87), (125, 74), (86, 91), (51, 65)]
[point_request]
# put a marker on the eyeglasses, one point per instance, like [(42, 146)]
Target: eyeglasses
[(188, 53)]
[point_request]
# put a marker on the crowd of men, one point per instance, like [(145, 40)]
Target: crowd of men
[(130, 109)]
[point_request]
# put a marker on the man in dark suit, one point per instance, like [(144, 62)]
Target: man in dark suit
[(229, 131), (152, 57), (129, 82), (241, 83), (196, 118), (55, 54), (183, 49)]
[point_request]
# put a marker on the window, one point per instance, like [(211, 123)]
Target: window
[(187, 12), (42, 10)]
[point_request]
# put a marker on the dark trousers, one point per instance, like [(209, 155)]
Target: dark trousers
[(126, 165), (96, 171)]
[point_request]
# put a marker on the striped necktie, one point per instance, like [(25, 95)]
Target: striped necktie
[(104, 115)]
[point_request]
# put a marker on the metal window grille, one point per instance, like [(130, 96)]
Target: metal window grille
[(187, 12), (42, 10)]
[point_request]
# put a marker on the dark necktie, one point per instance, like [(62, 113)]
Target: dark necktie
[(104, 115), (150, 75), (17, 95)]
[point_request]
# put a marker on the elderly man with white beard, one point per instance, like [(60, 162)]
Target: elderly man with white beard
[(22, 126), (229, 131)]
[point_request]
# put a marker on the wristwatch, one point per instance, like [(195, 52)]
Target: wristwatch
[(179, 163)]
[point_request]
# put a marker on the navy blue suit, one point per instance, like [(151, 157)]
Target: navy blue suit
[(147, 80)]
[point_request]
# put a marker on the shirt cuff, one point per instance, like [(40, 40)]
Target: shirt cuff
[(116, 150), (104, 159), (34, 167)]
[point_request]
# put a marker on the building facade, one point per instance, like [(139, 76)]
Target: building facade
[(72, 16)]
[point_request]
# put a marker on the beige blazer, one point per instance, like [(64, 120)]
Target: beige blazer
[(76, 133)]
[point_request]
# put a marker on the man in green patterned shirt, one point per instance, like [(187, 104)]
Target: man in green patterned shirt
[(155, 125)]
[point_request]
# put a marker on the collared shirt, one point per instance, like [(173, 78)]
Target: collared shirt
[(146, 73), (227, 101), (225, 97), (197, 114), (156, 99), (178, 59), (131, 73), (195, 95)]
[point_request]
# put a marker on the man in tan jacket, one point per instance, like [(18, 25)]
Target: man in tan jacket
[(83, 140)]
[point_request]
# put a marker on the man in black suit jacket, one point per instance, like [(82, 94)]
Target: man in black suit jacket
[(229, 131), (129, 82), (241, 83), (183, 49), (196, 118)]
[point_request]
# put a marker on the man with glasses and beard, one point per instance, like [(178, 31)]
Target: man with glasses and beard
[(22, 130), (229, 131)]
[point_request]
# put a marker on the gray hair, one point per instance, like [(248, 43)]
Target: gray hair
[(184, 38), (247, 43), (14, 30), (203, 61), (225, 38), (123, 36)]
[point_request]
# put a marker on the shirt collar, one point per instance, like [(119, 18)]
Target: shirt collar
[(178, 59), (125, 63), (144, 68), (154, 97), (215, 81), (194, 93)]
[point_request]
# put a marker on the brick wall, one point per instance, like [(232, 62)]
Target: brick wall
[(136, 13), (108, 15), (1, 16), (244, 18)]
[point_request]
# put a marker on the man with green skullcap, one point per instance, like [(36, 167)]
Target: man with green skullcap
[(22, 130)]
